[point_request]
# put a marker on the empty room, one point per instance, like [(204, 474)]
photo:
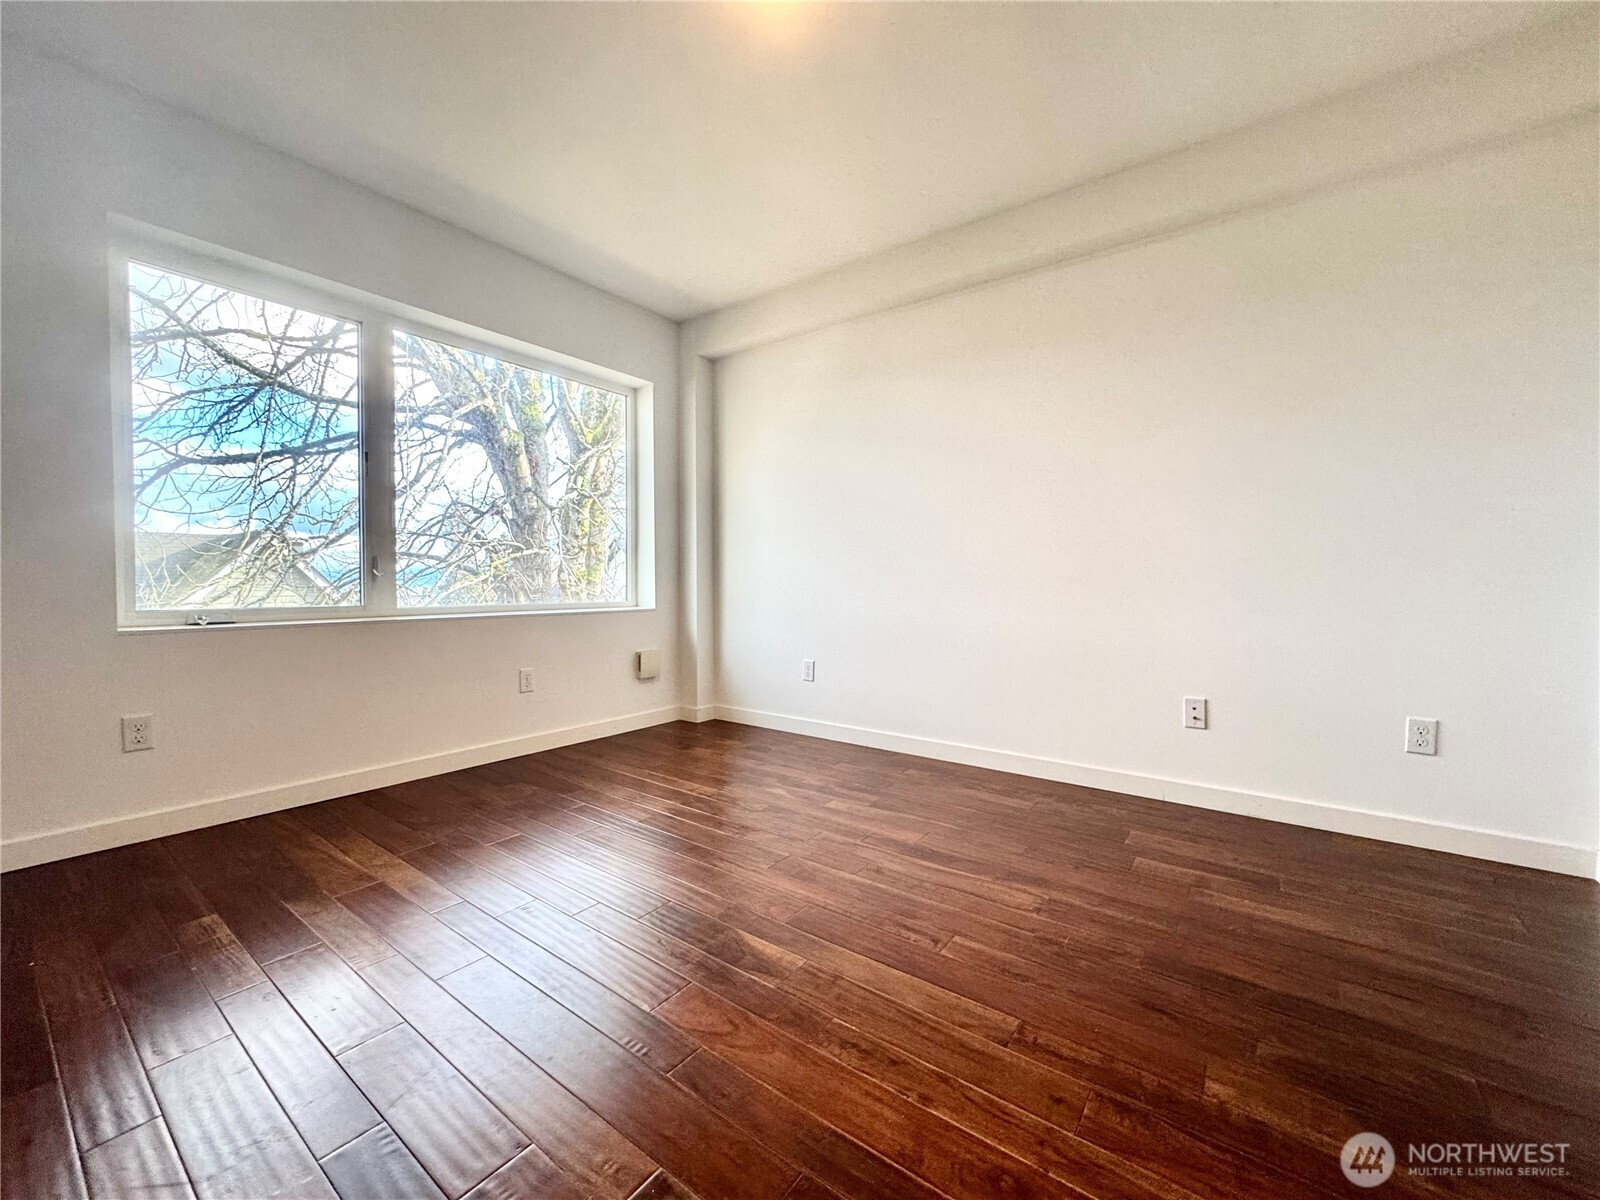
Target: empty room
[(786, 601)]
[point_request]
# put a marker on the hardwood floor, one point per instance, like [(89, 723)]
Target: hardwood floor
[(721, 962)]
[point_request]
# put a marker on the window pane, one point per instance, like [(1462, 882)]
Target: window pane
[(246, 449), (510, 483)]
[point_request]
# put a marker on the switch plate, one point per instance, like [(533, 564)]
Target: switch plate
[(808, 670), (138, 733), (1194, 712), (526, 681), (647, 664), (1422, 736)]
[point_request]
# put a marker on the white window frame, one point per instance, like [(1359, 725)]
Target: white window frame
[(378, 320)]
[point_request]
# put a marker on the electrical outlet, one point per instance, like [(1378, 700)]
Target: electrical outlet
[(1194, 712), (525, 680), (808, 670), (138, 733), (1422, 736)]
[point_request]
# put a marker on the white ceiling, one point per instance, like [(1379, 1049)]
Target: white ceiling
[(691, 155)]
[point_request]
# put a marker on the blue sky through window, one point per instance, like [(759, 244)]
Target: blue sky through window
[(246, 448)]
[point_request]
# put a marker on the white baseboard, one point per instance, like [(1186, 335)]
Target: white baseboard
[(1562, 857), (1543, 855), (121, 831)]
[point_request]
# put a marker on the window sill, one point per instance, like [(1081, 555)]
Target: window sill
[(388, 618)]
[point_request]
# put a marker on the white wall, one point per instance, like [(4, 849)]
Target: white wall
[(1329, 465), (1329, 462), (241, 712)]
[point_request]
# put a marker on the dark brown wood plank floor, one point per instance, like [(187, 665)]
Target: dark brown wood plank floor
[(721, 962)]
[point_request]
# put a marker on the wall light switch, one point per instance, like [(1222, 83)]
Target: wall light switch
[(647, 664), (1194, 712)]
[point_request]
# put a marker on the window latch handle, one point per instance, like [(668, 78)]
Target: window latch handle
[(375, 572)]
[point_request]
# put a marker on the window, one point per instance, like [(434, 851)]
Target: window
[(274, 467), (510, 483), (246, 449)]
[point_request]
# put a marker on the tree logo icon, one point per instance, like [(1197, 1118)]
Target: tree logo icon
[(1367, 1159)]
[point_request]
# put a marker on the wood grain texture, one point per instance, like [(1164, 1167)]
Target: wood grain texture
[(674, 1128), (168, 1010), (234, 1138), (314, 1091), (662, 1186), (413, 931), (718, 962), (377, 1166), (101, 1073), (331, 998), (567, 1132), (456, 1134), (142, 1162), (532, 1173), (26, 1062), (37, 1154), (625, 1023), (215, 955)]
